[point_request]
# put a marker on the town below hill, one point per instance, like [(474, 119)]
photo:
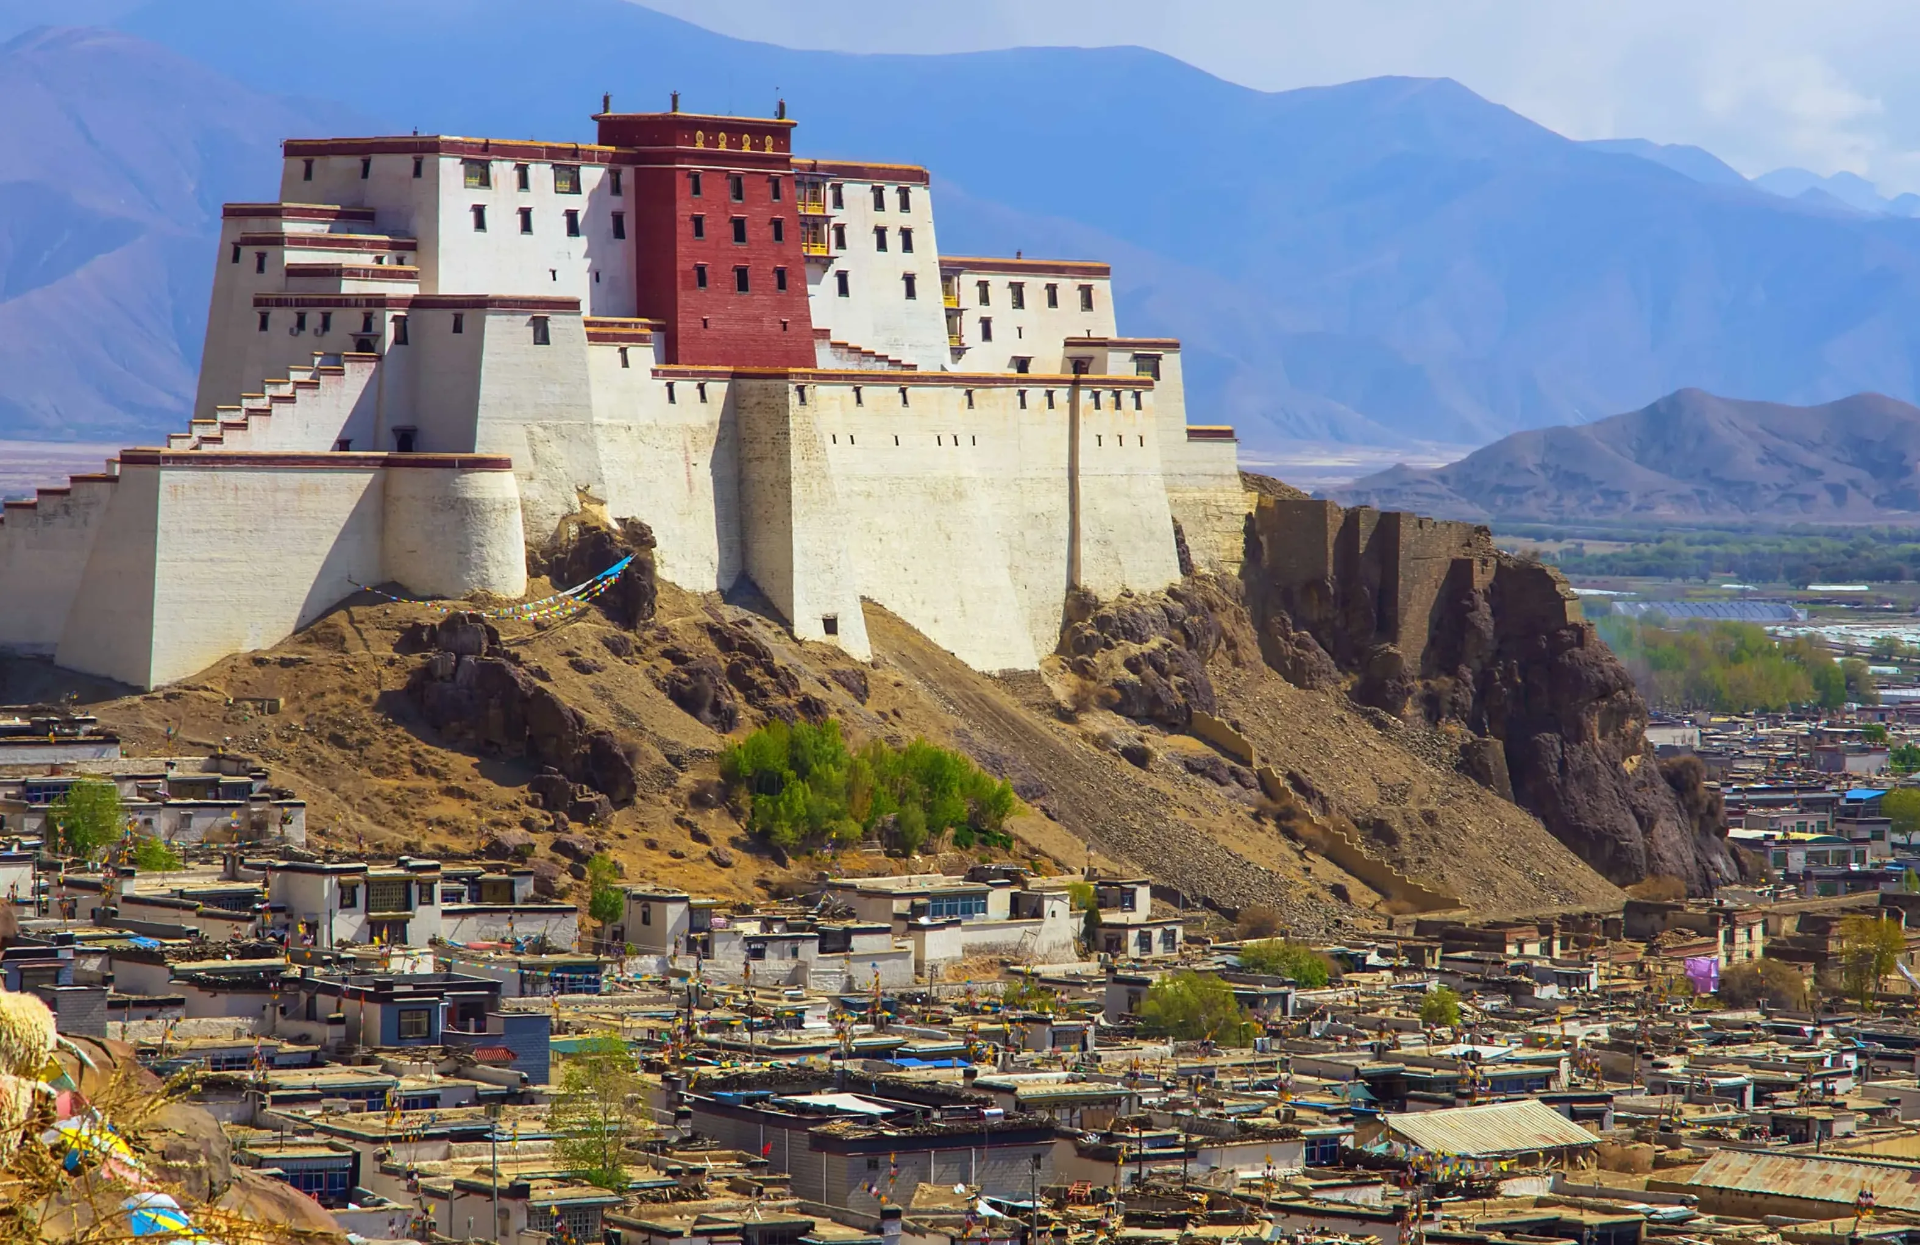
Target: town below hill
[(1691, 457)]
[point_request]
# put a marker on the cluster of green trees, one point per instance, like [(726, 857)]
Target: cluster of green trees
[(1797, 556), (1307, 967), (1731, 667), (806, 790), (89, 819)]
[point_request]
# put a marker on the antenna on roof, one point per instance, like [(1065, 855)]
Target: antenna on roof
[(676, 101)]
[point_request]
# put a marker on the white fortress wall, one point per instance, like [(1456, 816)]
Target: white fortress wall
[(674, 465), (450, 529), (109, 628), (927, 491), (796, 550), (44, 546), (432, 384), (1125, 529), (535, 407)]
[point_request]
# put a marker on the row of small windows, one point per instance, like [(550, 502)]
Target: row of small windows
[(736, 187), (742, 279), (860, 399), (903, 196), (478, 175), (363, 340), (571, 217), (1017, 295), (777, 228)]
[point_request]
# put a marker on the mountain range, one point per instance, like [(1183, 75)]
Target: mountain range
[(1690, 456), (1377, 262)]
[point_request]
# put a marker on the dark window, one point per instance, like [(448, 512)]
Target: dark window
[(566, 179), (614, 187), (1021, 363), (879, 237), (526, 220), (840, 284), (349, 891), (956, 440), (1086, 298), (1147, 365), (623, 357), (741, 285), (801, 391), (366, 167), (259, 261), (693, 184), (366, 322), (306, 170), (265, 318), (780, 279), (879, 198), (419, 166), (830, 624), (858, 400), (779, 229), (573, 222), (983, 293), (986, 328), (403, 440), (1136, 406), (736, 188), (699, 276), (773, 187), (479, 218), (459, 322), (699, 227), (414, 1023), (671, 400), (477, 174), (1017, 295), (399, 330), (907, 280), (906, 241), (1049, 399), (905, 194), (542, 335), (838, 200), (326, 322), (1023, 399), (1053, 295), (619, 226), (839, 237), (236, 253), (425, 889), (701, 389), (344, 446), (522, 177), (740, 230)]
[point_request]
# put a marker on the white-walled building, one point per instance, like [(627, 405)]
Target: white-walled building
[(420, 357)]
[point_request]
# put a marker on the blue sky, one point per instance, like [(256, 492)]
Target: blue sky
[(1761, 83)]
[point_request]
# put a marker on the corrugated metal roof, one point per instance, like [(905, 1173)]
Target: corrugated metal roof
[(1496, 1129), (1895, 1186)]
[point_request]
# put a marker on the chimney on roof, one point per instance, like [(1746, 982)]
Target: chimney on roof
[(780, 110), (606, 101), (676, 101)]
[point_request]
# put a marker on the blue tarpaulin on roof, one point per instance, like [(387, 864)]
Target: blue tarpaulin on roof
[(1863, 793)]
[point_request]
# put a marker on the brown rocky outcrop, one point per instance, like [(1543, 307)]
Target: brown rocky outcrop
[(485, 701), (1148, 654), (587, 543), (1428, 619)]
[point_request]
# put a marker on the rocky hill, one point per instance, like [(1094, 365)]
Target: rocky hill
[(1179, 734), (1689, 456)]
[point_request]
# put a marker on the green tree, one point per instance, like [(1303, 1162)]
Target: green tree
[(88, 817), (805, 790), (1902, 807), (598, 1110), (1874, 733), (153, 856), (606, 902), (1904, 758), (1028, 995), (1859, 682), (1307, 967), (1192, 1007), (1777, 983), (1869, 948), (1440, 1007), (1085, 900)]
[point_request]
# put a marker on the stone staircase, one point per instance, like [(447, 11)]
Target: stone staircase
[(845, 356), (302, 412)]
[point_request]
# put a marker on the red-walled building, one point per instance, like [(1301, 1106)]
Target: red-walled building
[(717, 236)]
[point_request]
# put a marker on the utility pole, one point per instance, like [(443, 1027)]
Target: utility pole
[(493, 1144), (1033, 1199)]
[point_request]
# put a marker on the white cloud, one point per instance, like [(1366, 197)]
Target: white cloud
[(1761, 83)]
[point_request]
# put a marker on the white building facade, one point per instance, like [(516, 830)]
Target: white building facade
[(419, 359)]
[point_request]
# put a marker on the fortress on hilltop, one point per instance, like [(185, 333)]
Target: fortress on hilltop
[(417, 362)]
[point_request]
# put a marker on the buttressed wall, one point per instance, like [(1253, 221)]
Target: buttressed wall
[(1422, 617)]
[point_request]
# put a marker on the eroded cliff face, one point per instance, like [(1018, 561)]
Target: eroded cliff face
[(1421, 618)]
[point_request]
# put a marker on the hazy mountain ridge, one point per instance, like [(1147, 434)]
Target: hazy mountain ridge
[(1691, 455), (1372, 262)]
